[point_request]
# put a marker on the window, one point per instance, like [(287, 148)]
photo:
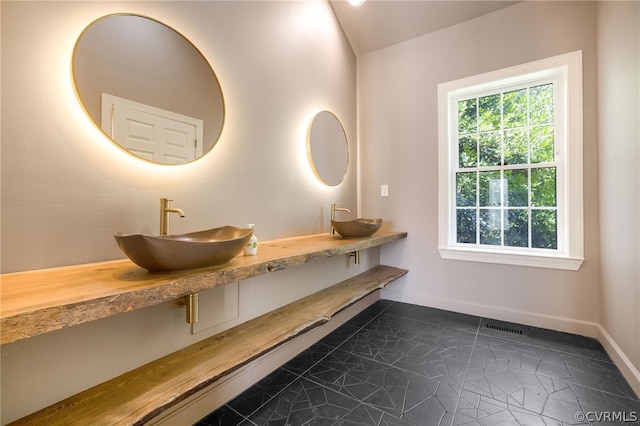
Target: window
[(510, 165)]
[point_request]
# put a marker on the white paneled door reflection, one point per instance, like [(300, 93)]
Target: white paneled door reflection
[(151, 133)]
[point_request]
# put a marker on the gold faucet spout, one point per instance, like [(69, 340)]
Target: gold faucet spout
[(164, 214), (175, 210)]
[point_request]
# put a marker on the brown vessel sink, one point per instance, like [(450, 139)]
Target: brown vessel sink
[(168, 253), (357, 228)]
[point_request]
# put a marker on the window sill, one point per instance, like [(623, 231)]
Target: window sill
[(536, 260)]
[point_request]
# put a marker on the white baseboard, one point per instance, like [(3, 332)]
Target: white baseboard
[(204, 402), (568, 325), (628, 370)]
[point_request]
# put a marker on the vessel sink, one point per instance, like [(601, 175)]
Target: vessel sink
[(168, 253), (356, 228)]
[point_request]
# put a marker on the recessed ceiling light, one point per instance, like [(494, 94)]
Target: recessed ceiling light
[(356, 3)]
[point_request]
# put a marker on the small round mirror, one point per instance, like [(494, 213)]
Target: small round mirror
[(148, 88), (327, 148)]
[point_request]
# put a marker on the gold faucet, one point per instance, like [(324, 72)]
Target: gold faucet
[(334, 209), (164, 215)]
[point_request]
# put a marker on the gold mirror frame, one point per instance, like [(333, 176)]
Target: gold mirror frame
[(141, 61), (327, 148)]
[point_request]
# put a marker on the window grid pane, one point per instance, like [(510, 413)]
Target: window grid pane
[(506, 176)]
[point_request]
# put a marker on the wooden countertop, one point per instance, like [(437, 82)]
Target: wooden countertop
[(40, 301)]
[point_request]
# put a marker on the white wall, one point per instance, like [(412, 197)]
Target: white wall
[(398, 132), (66, 189), (619, 155)]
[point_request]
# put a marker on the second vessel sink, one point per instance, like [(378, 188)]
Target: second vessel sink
[(357, 228), (186, 251)]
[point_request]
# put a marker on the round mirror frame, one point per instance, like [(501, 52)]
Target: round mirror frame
[(328, 148), (212, 124)]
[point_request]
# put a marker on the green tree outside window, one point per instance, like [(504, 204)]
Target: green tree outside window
[(506, 180)]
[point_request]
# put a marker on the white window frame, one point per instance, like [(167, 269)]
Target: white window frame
[(566, 71)]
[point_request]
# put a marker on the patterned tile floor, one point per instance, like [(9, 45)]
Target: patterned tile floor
[(401, 364)]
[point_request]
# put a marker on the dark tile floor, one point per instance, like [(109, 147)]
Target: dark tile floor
[(401, 364)]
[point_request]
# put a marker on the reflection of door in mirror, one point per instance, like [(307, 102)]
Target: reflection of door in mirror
[(151, 133)]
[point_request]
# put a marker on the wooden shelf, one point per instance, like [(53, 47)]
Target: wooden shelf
[(36, 302), (139, 395)]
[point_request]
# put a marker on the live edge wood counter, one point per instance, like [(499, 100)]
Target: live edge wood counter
[(37, 302), (141, 394)]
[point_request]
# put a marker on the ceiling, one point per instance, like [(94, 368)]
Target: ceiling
[(381, 23)]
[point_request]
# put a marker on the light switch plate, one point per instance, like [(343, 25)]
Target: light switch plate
[(384, 190)]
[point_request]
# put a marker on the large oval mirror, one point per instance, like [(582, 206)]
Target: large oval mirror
[(327, 148), (148, 88)]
